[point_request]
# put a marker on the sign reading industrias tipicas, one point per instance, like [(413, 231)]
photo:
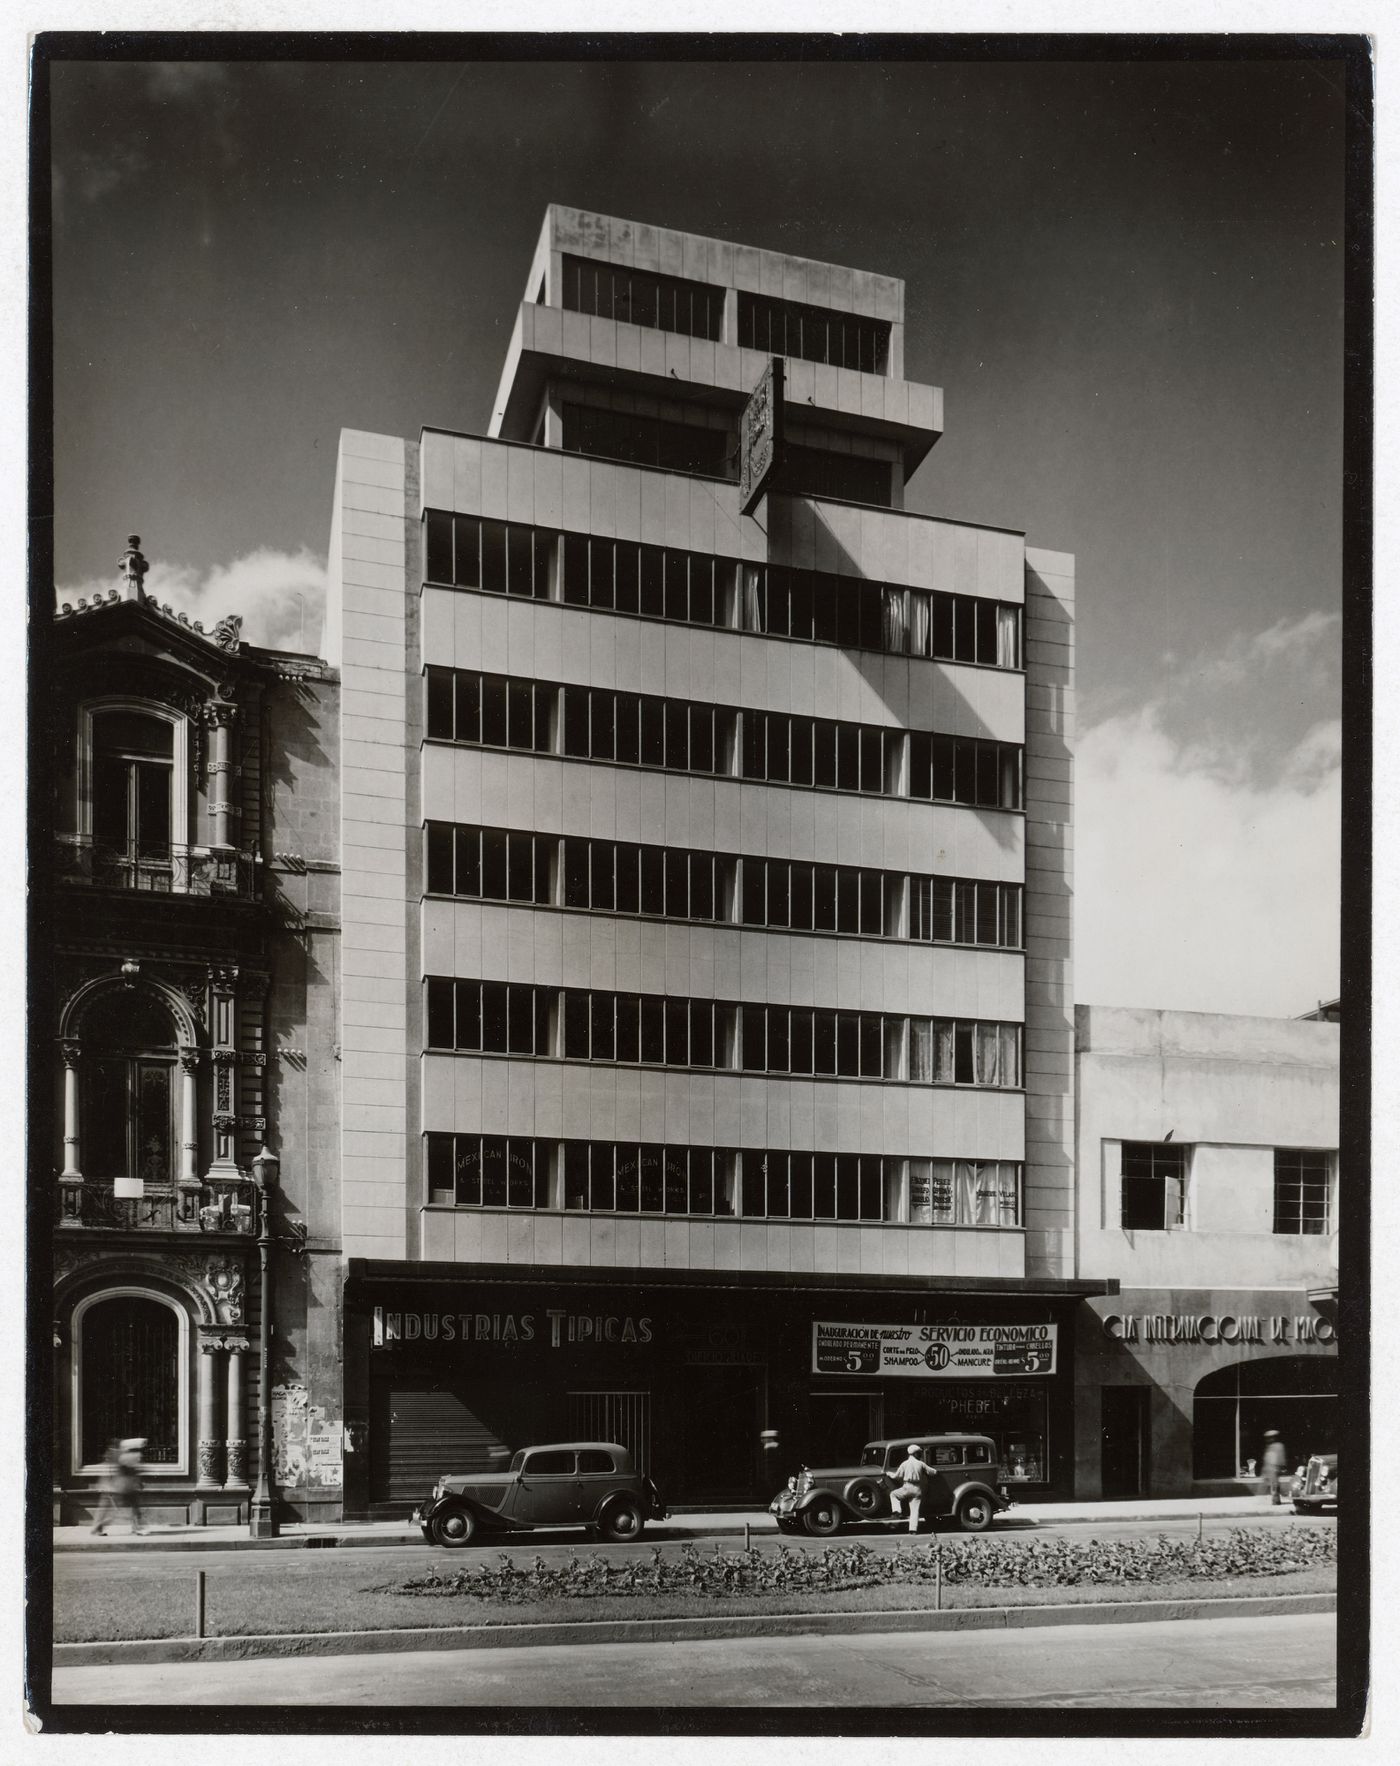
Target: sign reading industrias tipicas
[(939, 1352), (760, 435)]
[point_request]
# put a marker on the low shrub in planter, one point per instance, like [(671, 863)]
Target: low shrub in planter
[(988, 1563)]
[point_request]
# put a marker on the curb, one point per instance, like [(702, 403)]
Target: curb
[(457, 1637), (759, 1526)]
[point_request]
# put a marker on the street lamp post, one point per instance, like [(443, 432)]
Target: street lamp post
[(262, 1517)]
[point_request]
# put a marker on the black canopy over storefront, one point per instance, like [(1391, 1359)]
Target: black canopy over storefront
[(447, 1368)]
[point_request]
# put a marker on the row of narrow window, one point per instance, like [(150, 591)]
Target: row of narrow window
[(695, 588), (643, 297), (581, 1024), (681, 735), (674, 883), (493, 1171), (696, 309)]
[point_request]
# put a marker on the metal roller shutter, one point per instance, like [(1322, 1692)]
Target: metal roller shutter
[(421, 1427)]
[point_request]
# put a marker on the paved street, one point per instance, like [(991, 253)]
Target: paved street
[(1186, 1664)]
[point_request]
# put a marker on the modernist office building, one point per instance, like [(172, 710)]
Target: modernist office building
[(707, 1033)]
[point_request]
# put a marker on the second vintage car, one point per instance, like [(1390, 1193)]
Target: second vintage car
[(593, 1484), (822, 1500), (1315, 1487)]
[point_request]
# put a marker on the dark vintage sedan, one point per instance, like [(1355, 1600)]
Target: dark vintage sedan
[(822, 1500), (592, 1484), (1315, 1486)]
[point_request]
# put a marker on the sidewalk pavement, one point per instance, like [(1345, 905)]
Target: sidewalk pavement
[(681, 1525)]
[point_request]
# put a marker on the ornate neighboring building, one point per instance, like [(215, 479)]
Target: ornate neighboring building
[(195, 915)]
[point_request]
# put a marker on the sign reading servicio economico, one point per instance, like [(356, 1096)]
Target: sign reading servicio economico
[(934, 1352)]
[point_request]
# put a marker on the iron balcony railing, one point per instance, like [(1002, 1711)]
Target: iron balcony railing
[(225, 1205), (171, 870)]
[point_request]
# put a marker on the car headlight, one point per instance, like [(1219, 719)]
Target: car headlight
[(804, 1482), (792, 1484)]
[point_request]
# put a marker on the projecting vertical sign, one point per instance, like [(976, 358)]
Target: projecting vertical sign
[(760, 435)]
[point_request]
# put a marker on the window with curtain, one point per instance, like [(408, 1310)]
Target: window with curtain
[(128, 1089)]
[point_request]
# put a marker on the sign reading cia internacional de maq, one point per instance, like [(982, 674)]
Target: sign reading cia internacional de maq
[(760, 435), (937, 1352)]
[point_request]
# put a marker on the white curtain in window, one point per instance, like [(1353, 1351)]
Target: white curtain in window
[(943, 1067), (1007, 647), (896, 623), (920, 1050), (919, 623), (986, 1043), (965, 1187), (753, 598), (1010, 1036)]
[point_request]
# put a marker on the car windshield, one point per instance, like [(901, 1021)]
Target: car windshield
[(873, 1455), (517, 1460)]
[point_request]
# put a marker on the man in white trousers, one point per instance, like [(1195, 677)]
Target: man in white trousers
[(912, 1475)]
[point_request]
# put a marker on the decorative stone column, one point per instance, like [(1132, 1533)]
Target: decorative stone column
[(222, 810), (187, 1179), (223, 1026), (237, 1444), (70, 1181), (210, 1444)]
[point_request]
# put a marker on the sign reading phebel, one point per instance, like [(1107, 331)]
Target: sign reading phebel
[(760, 435), (934, 1352)]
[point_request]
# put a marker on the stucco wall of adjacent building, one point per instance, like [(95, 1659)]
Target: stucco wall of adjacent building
[(1232, 1090)]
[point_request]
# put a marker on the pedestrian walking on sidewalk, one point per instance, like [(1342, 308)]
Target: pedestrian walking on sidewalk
[(122, 1480), (107, 1505), (1274, 1464), (913, 1476)]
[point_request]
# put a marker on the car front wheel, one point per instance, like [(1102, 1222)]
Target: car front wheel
[(621, 1522), (866, 1497), (454, 1527), (975, 1514), (822, 1519)]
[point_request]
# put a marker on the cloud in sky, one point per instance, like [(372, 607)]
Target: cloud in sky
[(1204, 883), (281, 595)]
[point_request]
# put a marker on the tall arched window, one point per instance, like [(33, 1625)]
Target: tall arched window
[(130, 1354), (129, 1091)]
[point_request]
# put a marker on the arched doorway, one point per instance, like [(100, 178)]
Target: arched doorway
[(1294, 1394)]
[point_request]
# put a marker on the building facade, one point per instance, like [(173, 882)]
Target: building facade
[(1207, 1158), (195, 916), (707, 1035)]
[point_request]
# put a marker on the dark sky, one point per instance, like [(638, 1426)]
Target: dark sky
[(1127, 279)]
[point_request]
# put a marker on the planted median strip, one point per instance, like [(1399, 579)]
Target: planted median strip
[(1002, 1564), (330, 1592)]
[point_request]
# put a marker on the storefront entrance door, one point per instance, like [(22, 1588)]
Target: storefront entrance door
[(718, 1415), (1125, 1440)]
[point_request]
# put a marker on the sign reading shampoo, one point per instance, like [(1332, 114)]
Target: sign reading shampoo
[(934, 1352)]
